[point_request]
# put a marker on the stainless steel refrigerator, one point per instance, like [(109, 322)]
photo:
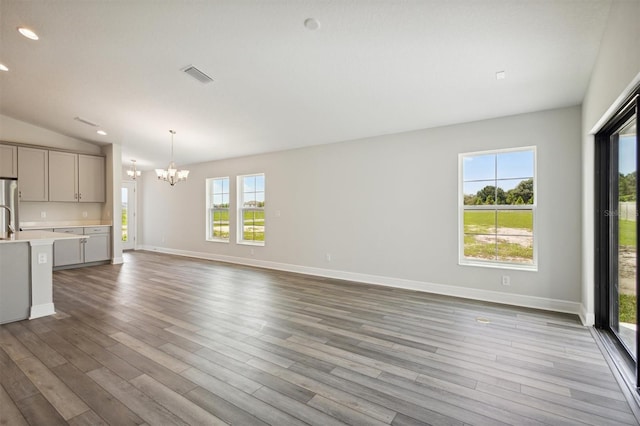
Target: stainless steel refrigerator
[(8, 207)]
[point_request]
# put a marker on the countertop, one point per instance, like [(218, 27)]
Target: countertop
[(27, 226), (27, 236)]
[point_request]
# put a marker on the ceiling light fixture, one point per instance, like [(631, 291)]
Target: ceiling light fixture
[(28, 33), (132, 172), (102, 132), (171, 174), (501, 75), (3, 67)]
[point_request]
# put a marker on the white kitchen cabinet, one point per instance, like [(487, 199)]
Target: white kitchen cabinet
[(8, 161), (68, 252), (91, 179), (76, 177), (63, 176), (98, 246), (33, 174)]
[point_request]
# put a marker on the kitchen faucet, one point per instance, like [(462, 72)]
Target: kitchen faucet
[(12, 229)]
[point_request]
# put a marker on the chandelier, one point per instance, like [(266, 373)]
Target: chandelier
[(132, 172), (171, 174)]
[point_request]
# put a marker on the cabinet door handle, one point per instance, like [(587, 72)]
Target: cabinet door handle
[(79, 196), (19, 194), (75, 195)]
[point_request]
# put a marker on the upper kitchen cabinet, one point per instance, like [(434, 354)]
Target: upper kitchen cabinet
[(76, 177), (33, 174), (63, 176), (8, 161), (91, 182)]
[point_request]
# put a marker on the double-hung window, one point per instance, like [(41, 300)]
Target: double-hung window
[(251, 199), (497, 208), (218, 209)]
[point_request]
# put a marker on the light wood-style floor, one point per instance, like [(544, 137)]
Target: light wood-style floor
[(168, 340)]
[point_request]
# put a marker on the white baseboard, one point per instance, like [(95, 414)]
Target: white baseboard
[(587, 318), (535, 302), (42, 310)]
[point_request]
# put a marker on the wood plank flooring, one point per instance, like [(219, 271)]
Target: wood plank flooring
[(166, 340)]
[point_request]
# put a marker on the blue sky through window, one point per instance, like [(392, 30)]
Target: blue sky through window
[(627, 154), (508, 168), (220, 192), (253, 189)]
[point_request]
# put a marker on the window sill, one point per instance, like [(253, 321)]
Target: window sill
[(214, 240), (497, 265), (251, 243)]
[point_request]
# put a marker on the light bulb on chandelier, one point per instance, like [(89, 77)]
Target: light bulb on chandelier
[(133, 173), (171, 174)]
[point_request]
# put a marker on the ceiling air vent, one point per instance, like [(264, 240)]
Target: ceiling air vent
[(85, 121), (197, 74)]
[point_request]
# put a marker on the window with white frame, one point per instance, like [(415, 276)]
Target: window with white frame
[(218, 209), (251, 198), (498, 208)]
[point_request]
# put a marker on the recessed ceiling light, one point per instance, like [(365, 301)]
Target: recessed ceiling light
[(28, 33), (501, 75), (102, 132), (312, 24), (3, 67)]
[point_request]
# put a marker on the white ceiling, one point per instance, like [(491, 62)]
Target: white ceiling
[(373, 67)]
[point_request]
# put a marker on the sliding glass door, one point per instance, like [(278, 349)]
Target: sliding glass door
[(616, 269), (623, 286)]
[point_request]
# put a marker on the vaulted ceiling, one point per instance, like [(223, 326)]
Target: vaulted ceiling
[(371, 68)]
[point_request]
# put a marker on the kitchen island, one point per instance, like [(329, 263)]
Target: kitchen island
[(26, 274)]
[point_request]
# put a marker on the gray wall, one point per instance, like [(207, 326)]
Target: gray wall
[(386, 209)]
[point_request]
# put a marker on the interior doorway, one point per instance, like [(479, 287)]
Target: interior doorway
[(128, 230)]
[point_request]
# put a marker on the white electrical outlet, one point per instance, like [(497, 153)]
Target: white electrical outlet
[(42, 258), (85, 214), (253, 252), (328, 257), (506, 280), (277, 213), (43, 215)]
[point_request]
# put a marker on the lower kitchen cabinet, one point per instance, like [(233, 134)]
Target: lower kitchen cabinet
[(98, 246), (95, 248), (68, 252)]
